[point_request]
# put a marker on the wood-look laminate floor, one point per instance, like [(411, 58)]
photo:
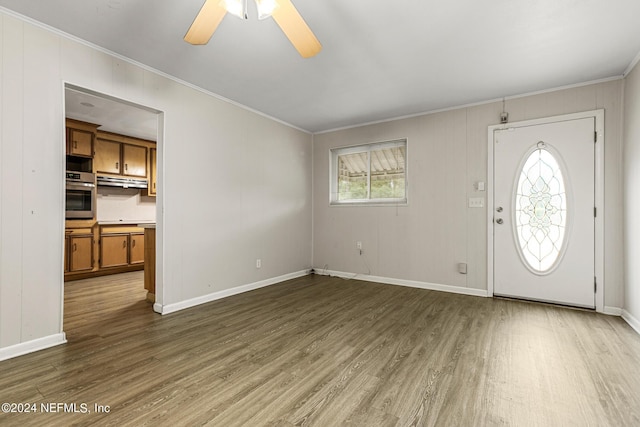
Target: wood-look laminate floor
[(323, 351)]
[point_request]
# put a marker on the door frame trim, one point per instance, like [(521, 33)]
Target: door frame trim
[(599, 187)]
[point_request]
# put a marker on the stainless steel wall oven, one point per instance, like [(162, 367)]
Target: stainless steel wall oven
[(80, 195)]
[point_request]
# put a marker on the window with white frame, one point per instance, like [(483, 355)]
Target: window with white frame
[(369, 173)]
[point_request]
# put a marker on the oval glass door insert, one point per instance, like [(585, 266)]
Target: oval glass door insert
[(541, 211)]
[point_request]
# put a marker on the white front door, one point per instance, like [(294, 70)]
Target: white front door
[(544, 212)]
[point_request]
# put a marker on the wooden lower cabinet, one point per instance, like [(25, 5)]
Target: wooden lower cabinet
[(80, 252), (114, 250), (119, 248), (66, 255), (136, 248), (150, 263)]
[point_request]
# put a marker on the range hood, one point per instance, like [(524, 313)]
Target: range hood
[(110, 181)]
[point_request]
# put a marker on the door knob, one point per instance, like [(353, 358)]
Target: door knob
[(499, 221), (499, 209)]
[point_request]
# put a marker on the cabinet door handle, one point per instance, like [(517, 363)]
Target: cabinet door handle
[(133, 243), (126, 167), (124, 243), (154, 185), (75, 144), (75, 247), (117, 165)]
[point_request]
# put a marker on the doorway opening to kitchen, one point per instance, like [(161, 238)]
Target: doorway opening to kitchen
[(113, 199)]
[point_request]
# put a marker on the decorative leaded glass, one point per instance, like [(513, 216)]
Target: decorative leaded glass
[(541, 210)]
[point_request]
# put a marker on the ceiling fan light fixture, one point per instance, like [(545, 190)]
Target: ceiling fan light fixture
[(236, 7), (282, 11), (266, 8)]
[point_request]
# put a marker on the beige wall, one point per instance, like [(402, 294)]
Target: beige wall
[(234, 186), (447, 156), (632, 197)]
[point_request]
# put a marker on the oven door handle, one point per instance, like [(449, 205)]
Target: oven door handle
[(79, 185)]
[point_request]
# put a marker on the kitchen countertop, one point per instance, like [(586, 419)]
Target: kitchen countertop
[(127, 222)]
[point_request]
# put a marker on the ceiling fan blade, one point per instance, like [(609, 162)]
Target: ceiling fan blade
[(296, 30), (206, 22)]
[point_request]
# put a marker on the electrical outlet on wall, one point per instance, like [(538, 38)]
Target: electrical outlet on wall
[(462, 267), (258, 263), (359, 245), (476, 202)]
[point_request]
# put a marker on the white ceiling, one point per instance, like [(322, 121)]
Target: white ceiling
[(380, 59), (112, 115)]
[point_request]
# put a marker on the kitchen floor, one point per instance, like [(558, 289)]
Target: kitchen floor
[(93, 306)]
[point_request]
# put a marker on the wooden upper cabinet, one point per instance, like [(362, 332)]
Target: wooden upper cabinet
[(107, 157), (80, 143), (134, 159), (153, 173), (118, 158), (80, 138)]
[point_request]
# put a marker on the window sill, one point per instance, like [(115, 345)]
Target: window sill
[(395, 203)]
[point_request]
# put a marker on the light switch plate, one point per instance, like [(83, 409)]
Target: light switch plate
[(476, 202)]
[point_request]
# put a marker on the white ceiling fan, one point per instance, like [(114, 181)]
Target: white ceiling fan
[(283, 12)]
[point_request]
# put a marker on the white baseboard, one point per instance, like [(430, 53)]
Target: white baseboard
[(402, 282), (31, 346), (612, 311), (632, 321), (171, 308)]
